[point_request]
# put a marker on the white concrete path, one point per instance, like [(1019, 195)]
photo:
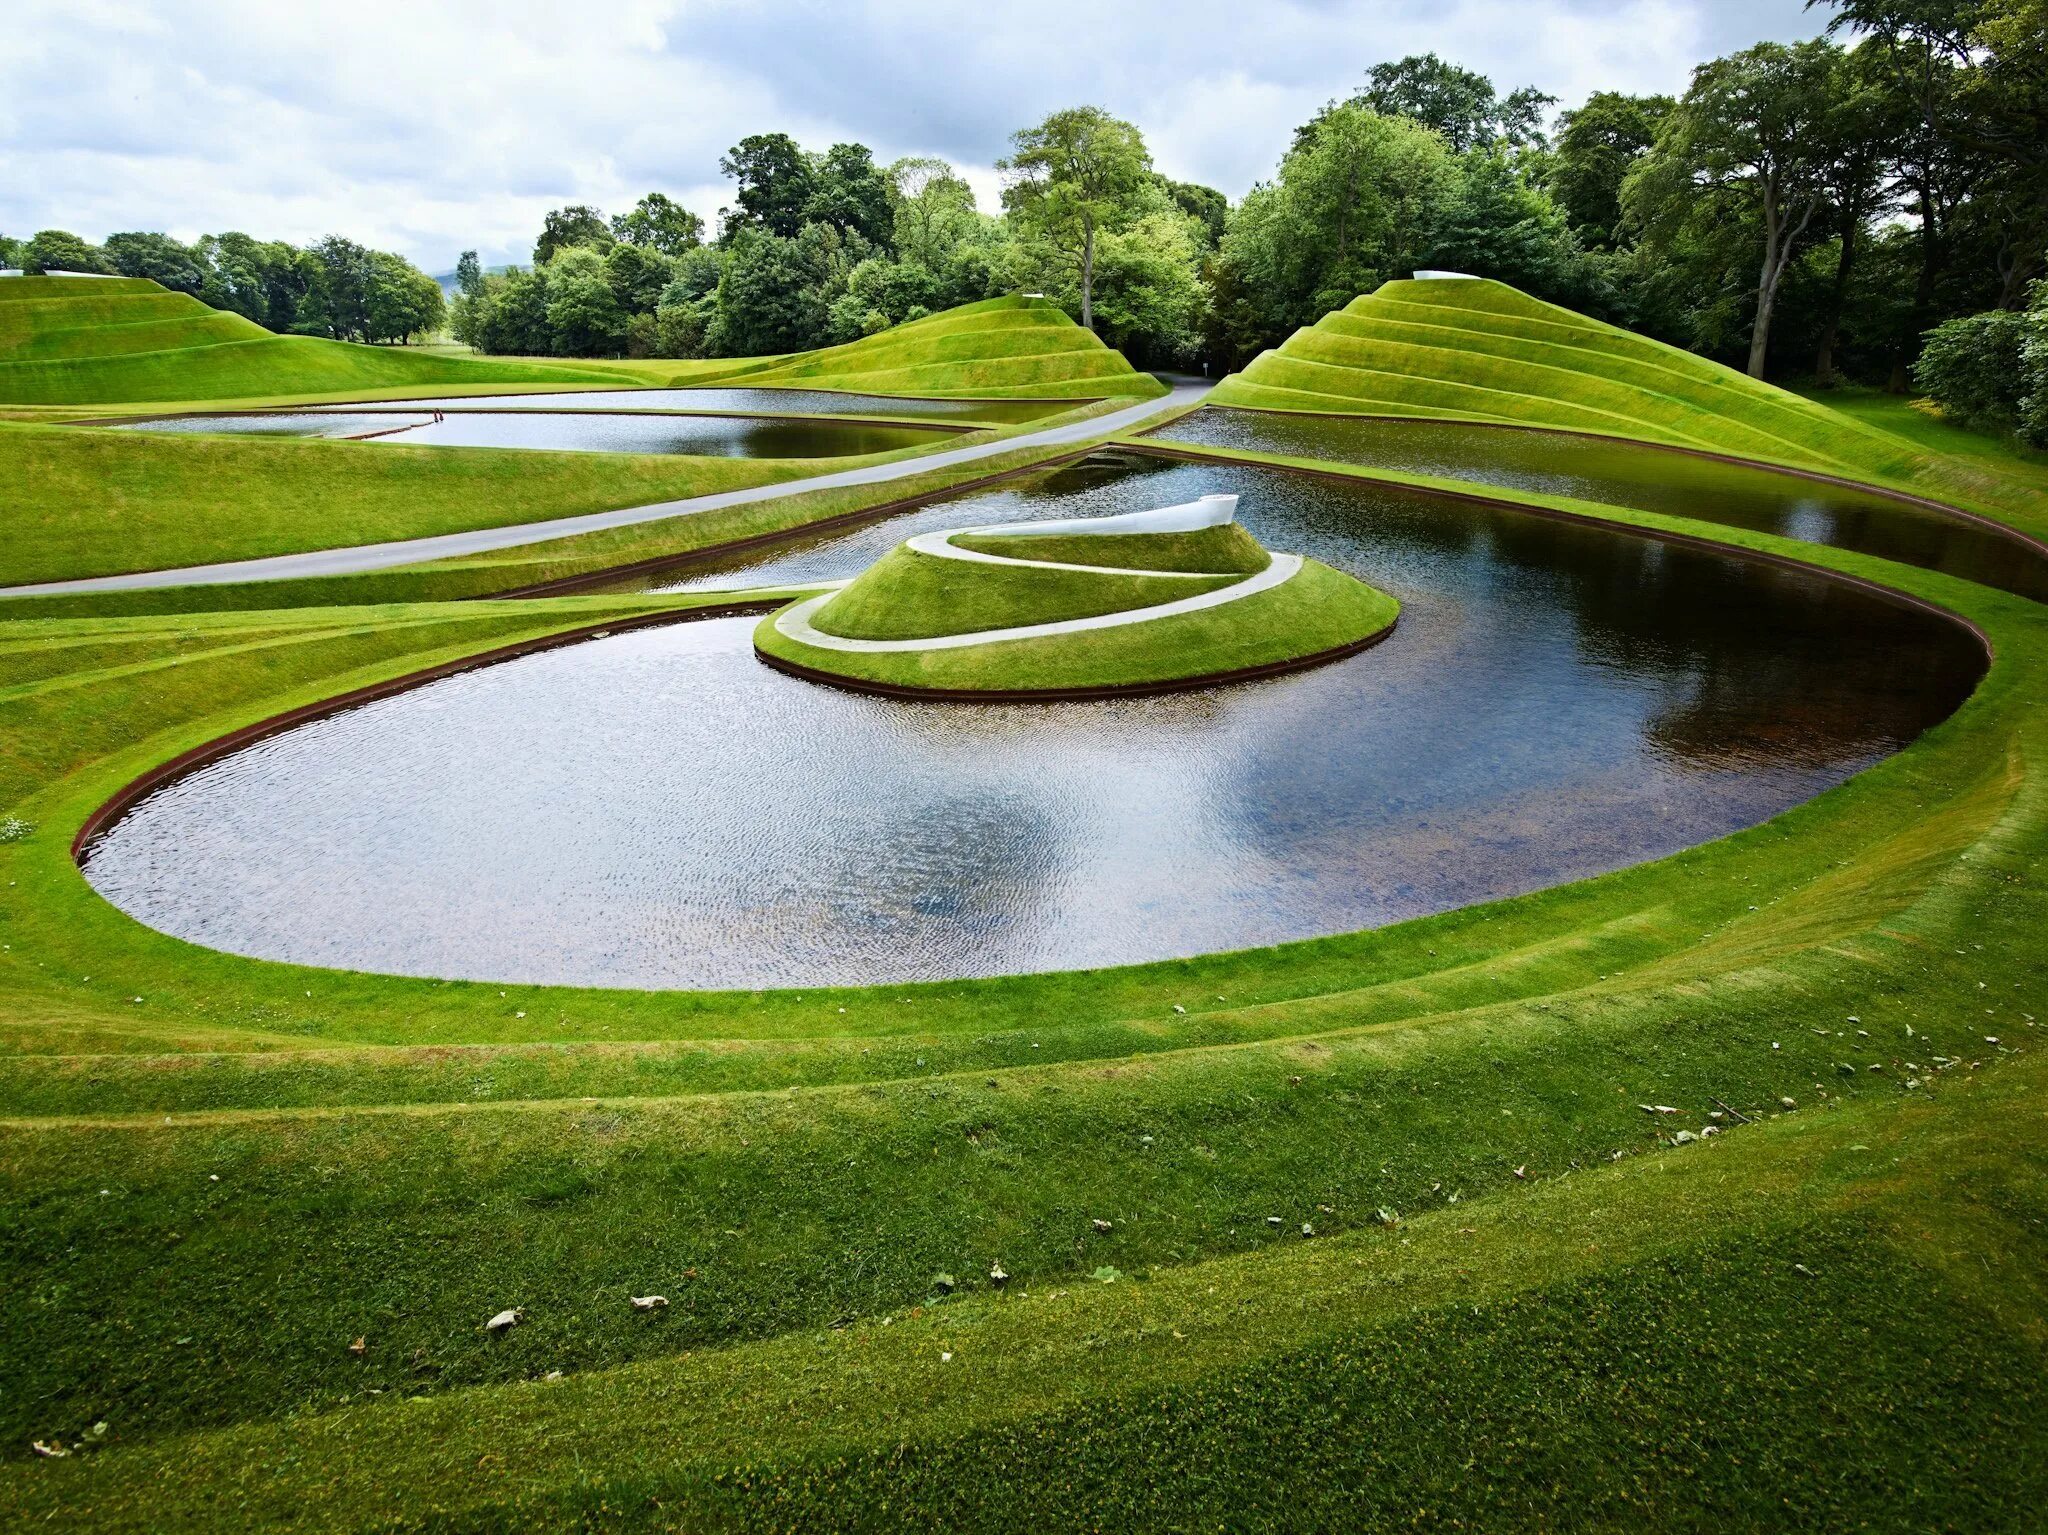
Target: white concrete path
[(794, 622), (412, 551)]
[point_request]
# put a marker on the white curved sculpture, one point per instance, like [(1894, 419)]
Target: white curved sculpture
[(1188, 517), (1445, 277)]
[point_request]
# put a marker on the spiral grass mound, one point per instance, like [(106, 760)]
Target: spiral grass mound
[(1152, 601)]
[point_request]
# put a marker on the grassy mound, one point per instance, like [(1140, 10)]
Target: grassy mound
[(77, 341), (1001, 346), (94, 341), (922, 594)]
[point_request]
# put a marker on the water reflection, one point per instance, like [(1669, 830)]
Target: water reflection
[(565, 431), (767, 401), (658, 809), (1649, 479)]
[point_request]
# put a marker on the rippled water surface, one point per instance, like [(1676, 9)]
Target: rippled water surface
[(659, 809), (568, 431), (767, 401), (1650, 479)]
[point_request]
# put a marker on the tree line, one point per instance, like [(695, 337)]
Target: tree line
[(1871, 203), (334, 287)]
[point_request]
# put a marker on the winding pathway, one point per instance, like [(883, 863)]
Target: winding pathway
[(794, 622), (356, 558)]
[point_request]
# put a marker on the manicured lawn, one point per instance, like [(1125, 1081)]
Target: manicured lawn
[(1405, 1228)]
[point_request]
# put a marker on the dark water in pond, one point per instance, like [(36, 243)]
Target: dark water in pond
[(659, 809), (717, 436), (1648, 479), (806, 402)]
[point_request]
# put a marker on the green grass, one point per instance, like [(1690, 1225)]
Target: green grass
[(78, 341), (1318, 610), (1483, 351), (96, 342), (1228, 548), (1828, 1317)]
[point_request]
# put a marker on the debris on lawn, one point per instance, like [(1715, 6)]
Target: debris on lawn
[(360, 1347), (50, 1451), (505, 1319), (1100, 1224), (648, 1302), (998, 1275)]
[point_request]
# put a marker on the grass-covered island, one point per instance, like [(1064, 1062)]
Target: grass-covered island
[(1151, 601)]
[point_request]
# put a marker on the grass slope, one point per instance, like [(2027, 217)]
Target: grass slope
[(999, 347), (77, 341), (1478, 350), (1525, 1304)]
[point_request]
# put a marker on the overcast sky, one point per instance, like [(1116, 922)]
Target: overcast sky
[(432, 125)]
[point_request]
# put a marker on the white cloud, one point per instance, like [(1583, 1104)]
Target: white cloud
[(430, 127)]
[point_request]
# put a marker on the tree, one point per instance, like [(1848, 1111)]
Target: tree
[(159, 258), (1458, 103), (1068, 179), (933, 210), (399, 300), (1494, 225), (59, 250), (659, 225), (1208, 207), (1746, 144), (469, 275), (1357, 202), (10, 253), (768, 299), (637, 276), (1151, 300), (1856, 132), (339, 301), (774, 184), (583, 314), (577, 224), (1597, 146), (849, 192), (1975, 368)]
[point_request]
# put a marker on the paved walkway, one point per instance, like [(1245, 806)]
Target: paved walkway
[(413, 551)]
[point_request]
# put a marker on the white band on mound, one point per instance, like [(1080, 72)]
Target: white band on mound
[(795, 622)]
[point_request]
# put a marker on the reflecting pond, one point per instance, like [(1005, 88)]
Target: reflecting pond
[(658, 809), (1649, 479), (803, 402), (576, 432)]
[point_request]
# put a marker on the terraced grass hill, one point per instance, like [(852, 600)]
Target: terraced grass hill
[(1481, 351), (1001, 346), (80, 340), (120, 341)]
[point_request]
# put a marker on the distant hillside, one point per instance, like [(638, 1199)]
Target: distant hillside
[(78, 341), (448, 284)]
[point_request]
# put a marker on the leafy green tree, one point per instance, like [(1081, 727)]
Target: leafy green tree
[(637, 275), (564, 228), (1975, 368), (660, 225), (1745, 146), (769, 300), (1458, 103), (399, 300), (1151, 300), (159, 258), (1597, 145), (469, 275), (1070, 178), (59, 250), (1209, 208), (339, 302), (10, 253), (1356, 203), (688, 305), (773, 178), (932, 210), (848, 191), (1857, 130), (583, 312), (511, 318), (1496, 225)]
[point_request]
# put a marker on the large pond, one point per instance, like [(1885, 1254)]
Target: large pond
[(1650, 479), (659, 809), (578, 432), (803, 402)]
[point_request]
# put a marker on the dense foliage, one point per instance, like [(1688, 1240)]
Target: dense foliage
[(1818, 206)]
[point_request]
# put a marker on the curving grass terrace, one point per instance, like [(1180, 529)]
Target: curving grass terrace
[(1365, 1231)]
